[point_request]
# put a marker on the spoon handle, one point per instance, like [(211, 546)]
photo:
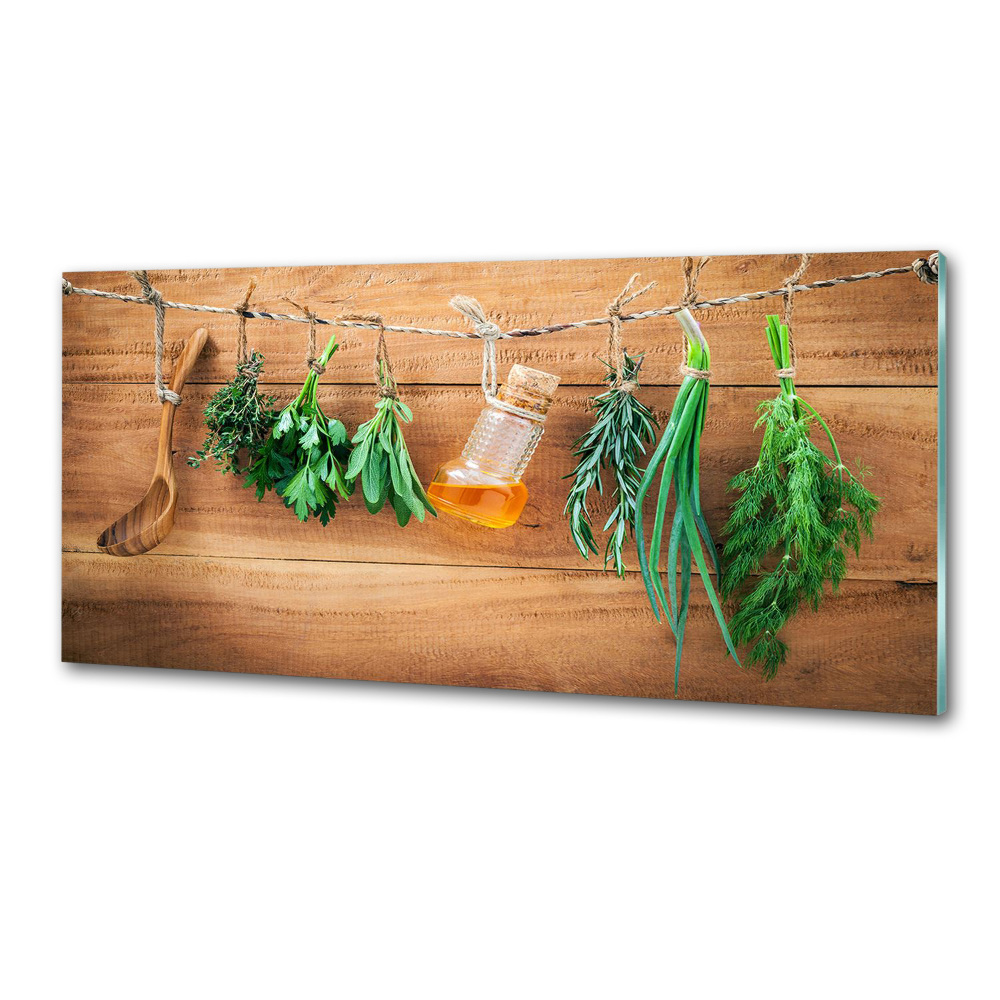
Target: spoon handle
[(182, 369)]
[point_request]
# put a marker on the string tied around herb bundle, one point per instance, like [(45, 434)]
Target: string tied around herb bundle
[(489, 333), (789, 298), (385, 378), (312, 360), (692, 269), (616, 349), (242, 353), (155, 299)]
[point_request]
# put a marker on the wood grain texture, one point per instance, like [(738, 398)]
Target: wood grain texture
[(878, 332), (551, 631), (108, 432), (243, 586)]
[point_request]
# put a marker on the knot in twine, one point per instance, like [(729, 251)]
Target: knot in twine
[(312, 361), (489, 333), (691, 272), (616, 349), (242, 354), (155, 299), (67, 287), (689, 297), (790, 282), (926, 269)]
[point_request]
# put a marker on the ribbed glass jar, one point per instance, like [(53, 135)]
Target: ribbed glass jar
[(484, 485)]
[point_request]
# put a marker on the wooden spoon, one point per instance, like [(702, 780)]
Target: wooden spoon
[(150, 520)]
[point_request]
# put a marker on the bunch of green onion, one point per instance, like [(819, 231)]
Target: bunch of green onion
[(677, 460)]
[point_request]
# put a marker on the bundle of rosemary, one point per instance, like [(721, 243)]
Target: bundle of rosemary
[(381, 457), (797, 501), (238, 419), (622, 428), (303, 459), (677, 458)]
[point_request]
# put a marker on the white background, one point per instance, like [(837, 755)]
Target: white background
[(202, 836)]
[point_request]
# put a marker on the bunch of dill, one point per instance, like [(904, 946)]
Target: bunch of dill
[(798, 502)]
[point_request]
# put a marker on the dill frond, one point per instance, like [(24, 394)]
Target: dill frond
[(799, 502)]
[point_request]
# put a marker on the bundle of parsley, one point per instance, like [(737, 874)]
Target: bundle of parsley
[(798, 502), (677, 459), (622, 427), (303, 459), (238, 419)]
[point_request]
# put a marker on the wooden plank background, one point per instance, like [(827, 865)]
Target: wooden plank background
[(244, 586)]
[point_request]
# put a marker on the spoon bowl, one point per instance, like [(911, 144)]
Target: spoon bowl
[(150, 520)]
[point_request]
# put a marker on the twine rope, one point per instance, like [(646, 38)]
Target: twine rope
[(616, 349), (312, 361), (385, 377), (242, 354), (790, 284), (689, 300), (489, 332), (151, 296), (924, 268)]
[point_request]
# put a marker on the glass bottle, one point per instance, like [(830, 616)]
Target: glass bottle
[(484, 485)]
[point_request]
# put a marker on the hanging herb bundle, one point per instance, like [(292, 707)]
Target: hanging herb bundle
[(381, 458), (797, 501), (238, 419), (678, 462), (303, 459), (622, 427)]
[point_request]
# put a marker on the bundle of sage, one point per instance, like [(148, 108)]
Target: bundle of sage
[(383, 463)]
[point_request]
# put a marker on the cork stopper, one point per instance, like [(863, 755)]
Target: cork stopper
[(530, 379)]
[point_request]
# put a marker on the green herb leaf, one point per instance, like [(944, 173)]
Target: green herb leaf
[(622, 427), (382, 462), (797, 502), (238, 419), (305, 469)]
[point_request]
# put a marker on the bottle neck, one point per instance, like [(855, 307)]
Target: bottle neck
[(522, 398)]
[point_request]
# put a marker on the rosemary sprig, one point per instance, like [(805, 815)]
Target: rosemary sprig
[(383, 462), (677, 459), (622, 427), (238, 419), (795, 500), (303, 459)]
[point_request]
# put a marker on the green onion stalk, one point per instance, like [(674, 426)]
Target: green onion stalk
[(677, 461)]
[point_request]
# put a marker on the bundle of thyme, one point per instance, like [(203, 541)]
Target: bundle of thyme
[(238, 419), (383, 462), (622, 428), (797, 501), (303, 459), (677, 458)]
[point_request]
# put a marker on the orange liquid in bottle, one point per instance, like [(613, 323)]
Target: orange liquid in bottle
[(493, 505)]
